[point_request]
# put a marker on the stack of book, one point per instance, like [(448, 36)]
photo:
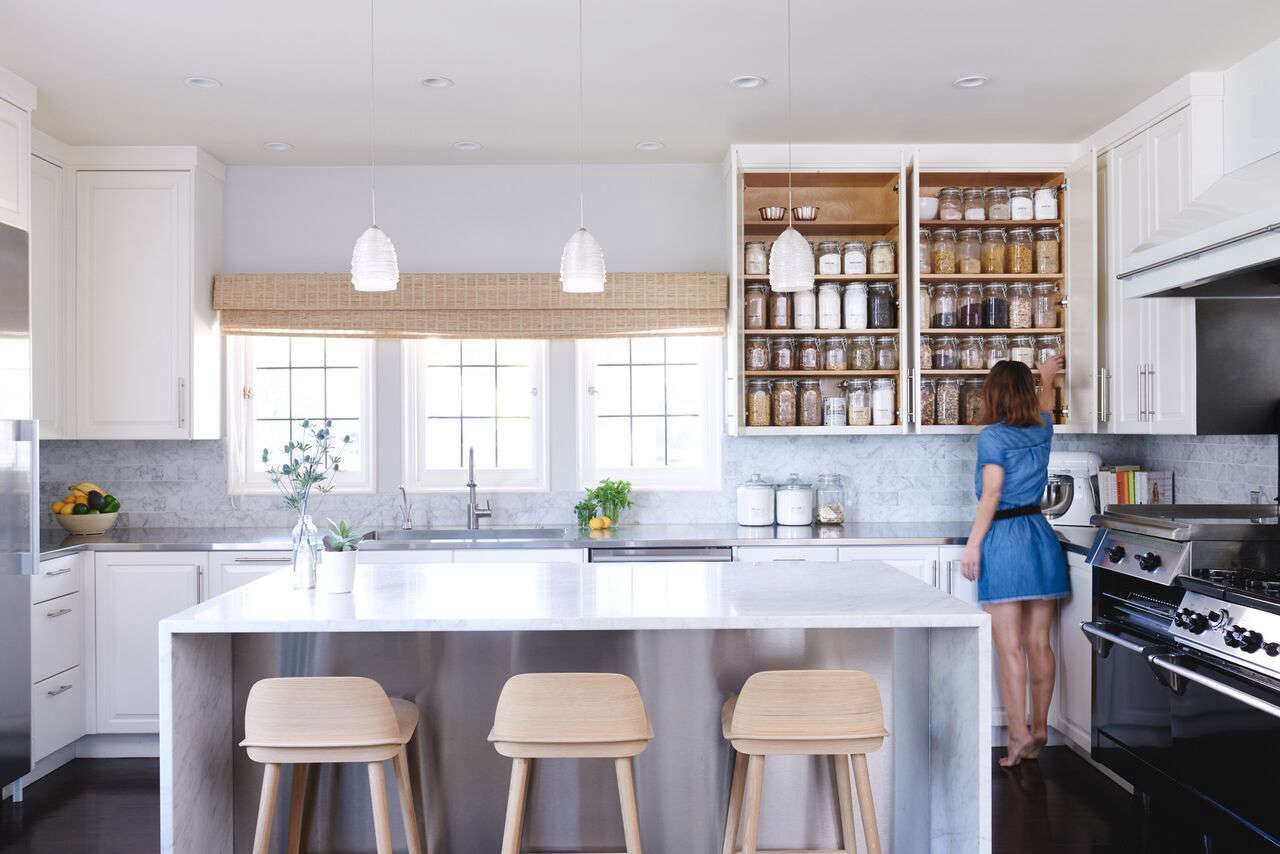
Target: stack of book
[(1131, 485)]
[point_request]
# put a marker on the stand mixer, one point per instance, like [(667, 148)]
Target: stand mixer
[(1071, 496)]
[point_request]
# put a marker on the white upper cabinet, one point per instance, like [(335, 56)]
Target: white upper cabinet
[(51, 310), (15, 168)]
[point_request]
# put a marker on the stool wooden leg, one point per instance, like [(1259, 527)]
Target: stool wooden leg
[(381, 815), (297, 793), (735, 803), (848, 835), (266, 808), (866, 805), (516, 795), (755, 783), (404, 787), (627, 798)]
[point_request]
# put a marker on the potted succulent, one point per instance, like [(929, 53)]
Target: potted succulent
[(307, 470), (337, 570)]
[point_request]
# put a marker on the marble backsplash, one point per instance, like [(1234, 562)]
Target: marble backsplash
[(165, 484)]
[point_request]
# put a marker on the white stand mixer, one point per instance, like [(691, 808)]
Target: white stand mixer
[(1071, 496)]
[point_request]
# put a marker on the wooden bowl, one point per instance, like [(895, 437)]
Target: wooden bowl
[(88, 523)]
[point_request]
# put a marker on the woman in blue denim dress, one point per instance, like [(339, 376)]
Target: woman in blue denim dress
[(1012, 552)]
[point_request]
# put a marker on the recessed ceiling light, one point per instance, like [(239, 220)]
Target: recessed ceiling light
[(970, 81), (436, 81), (467, 145), (278, 146), (747, 81), (650, 145), (202, 83)]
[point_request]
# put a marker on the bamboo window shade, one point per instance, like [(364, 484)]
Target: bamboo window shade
[(471, 305)]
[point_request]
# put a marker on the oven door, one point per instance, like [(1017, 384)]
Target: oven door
[(1187, 727)]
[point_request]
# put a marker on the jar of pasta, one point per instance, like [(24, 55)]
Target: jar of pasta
[(783, 354), (808, 354), (970, 302), (829, 305), (1021, 206), (972, 402), (993, 249), (1021, 310), (755, 306), (784, 403), (756, 355), (926, 252), (997, 349), (857, 394), (882, 257), (950, 203), (975, 204), (809, 403), (927, 392), (972, 353), (1022, 348), (1047, 346), (1045, 297), (829, 258), (946, 407), (998, 203), (804, 309), (945, 353), (835, 354), (855, 257), (862, 353), (855, 305), (756, 260), (882, 306), (969, 250), (995, 305), (1048, 250), (759, 402), (779, 310), (1019, 252), (887, 353), (944, 250), (884, 401), (942, 299)]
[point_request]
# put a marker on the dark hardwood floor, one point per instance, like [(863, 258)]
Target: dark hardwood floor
[(1056, 805)]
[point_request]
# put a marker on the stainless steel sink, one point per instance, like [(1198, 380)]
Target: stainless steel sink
[(397, 535)]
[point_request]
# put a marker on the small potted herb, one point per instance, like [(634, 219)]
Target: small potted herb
[(337, 570), (612, 497)]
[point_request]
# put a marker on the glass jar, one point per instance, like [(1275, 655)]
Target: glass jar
[(782, 355), (1045, 297), (755, 311), (759, 402), (756, 355), (855, 257), (1048, 249), (882, 306), (307, 545), (808, 356), (997, 349), (945, 355), (835, 411), (1046, 203), (779, 310), (830, 499), (835, 354), (926, 252), (1022, 348), (756, 260), (829, 258), (970, 306), (862, 353), (857, 395), (998, 203), (950, 203), (809, 403), (1047, 346), (925, 355), (1021, 311), (943, 300), (887, 353), (944, 250), (993, 249), (946, 407), (972, 354), (882, 257), (926, 306), (1019, 256), (975, 205), (855, 305), (928, 392), (1021, 206), (972, 402), (829, 305), (884, 401), (784, 403), (804, 309), (969, 251), (995, 306)]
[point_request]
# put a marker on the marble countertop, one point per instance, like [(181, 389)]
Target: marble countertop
[(570, 597)]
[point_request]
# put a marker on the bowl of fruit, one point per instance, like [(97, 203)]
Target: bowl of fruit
[(87, 509)]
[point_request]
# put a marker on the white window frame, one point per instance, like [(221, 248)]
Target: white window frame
[(242, 478), (706, 477), (419, 478)]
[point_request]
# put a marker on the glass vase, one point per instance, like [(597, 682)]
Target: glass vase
[(306, 553)]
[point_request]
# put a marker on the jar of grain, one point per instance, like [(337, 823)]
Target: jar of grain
[(858, 399), (926, 252), (995, 305), (997, 349), (1022, 348), (829, 258), (925, 312), (887, 353), (975, 205), (969, 250), (855, 257), (862, 353), (882, 306), (945, 310), (993, 249), (970, 306), (835, 411), (779, 310), (928, 390), (835, 354), (972, 402), (972, 353), (945, 355), (944, 250), (755, 312), (783, 354), (759, 403), (1020, 253), (804, 309), (950, 203), (882, 257), (1045, 297), (925, 356), (784, 403), (809, 403), (829, 305), (1046, 203), (1047, 346), (884, 401), (947, 401), (1021, 310), (998, 203), (855, 305), (756, 260), (1021, 206), (1048, 250), (808, 355), (756, 356)]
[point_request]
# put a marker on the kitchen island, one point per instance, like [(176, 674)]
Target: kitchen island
[(448, 636)]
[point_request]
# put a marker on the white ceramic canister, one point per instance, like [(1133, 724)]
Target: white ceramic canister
[(795, 502), (755, 502)]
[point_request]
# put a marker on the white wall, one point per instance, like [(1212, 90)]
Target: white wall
[(1251, 107), (476, 218)]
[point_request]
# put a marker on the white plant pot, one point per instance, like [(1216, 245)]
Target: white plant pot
[(336, 572)]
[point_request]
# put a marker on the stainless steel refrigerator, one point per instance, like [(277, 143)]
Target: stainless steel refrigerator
[(19, 498)]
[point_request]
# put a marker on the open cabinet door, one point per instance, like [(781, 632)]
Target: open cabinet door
[(1080, 315), (906, 245), (912, 298), (733, 389)]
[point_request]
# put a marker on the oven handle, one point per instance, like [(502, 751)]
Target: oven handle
[(1163, 660), (1101, 639)]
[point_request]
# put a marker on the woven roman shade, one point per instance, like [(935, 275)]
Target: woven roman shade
[(471, 305)]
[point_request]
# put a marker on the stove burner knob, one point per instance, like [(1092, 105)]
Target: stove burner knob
[(1195, 622), (1231, 636), (1148, 562), (1250, 641), (1272, 648), (1115, 554)]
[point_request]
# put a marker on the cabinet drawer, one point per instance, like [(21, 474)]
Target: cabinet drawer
[(748, 554), (57, 712), (57, 628), (57, 577)]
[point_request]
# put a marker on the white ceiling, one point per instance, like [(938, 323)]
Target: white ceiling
[(297, 71)]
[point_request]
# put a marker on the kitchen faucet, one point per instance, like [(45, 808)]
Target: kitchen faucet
[(474, 511), (404, 506)]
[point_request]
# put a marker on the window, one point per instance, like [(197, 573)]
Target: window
[(649, 411), (276, 382), (486, 395)]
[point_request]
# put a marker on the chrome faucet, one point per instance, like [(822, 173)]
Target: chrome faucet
[(474, 511), (404, 507)]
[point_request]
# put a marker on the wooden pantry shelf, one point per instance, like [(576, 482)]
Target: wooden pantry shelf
[(840, 430), (939, 372), (803, 333), (842, 277), (990, 277), (829, 228), (988, 223), (832, 374), (1057, 330)]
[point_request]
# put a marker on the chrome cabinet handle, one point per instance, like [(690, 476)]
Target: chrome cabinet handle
[(1151, 392), (58, 613), (1162, 661), (61, 689), (1104, 395), (182, 410), (62, 571)]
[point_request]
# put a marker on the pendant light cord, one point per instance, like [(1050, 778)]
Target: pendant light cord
[(373, 175), (582, 209), (789, 128)]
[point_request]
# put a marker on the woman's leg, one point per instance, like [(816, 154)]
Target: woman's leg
[(1007, 634), (1037, 618)]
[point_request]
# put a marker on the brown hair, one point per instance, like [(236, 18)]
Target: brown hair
[(1010, 395)]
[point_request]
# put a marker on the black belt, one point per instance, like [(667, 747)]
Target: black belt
[(1024, 510)]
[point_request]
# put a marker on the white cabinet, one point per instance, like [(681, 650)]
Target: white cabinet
[(57, 712), (52, 338), (785, 554), (526, 555), (403, 556), (229, 570), (133, 593), (15, 165), (57, 649), (917, 561), (1075, 656), (57, 635)]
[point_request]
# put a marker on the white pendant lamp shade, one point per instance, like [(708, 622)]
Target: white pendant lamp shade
[(374, 266), (790, 262), (582, 264)]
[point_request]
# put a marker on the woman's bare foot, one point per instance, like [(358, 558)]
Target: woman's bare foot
[(1019, 749), (1039, 739)]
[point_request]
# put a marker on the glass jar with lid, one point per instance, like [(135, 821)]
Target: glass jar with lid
[(942, 298), (809, 403), (1022, 348), (1019, 256), (944, 251), (972, 402), (855, 305), (835, 354), (756, 357), (829, 258), (882, 306), (830, 496), (926, 252), (926, 306), (855, 257), (975, 204), (835, 411), (783, 354), (925, 355), (1047, 346), (808, 354), (759, 403), (829, 305), (784, 403), (779, 310), (887, 353), (998, 203), (1045, 297), (995, 305), (928, 391), (857, 395), (1046, 203), (882, 257), (997, 349), (946, 407), (993, 249), (862, 353), (1021, 205), (950, 203), (1048, 249), (794, 500), (804, 309), (884, 401), (756, 259), (945, 353), (972, 353), (1021, 310), (969, 250), (755, 306), (970, 306)]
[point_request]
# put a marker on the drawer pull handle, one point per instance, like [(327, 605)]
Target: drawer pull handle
[(58, 613), (280, 560), (59, 690), (62, 571)]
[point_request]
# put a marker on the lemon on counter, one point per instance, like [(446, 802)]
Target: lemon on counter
[(599, 523)]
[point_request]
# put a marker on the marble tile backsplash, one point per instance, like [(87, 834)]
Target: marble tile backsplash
[(165, 484)]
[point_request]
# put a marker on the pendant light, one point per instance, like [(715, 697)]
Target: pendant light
[(791, 256), (374, 266), (582, 262)]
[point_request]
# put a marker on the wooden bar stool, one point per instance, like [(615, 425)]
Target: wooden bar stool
[(834, 713), (300, 721), (576, 715)]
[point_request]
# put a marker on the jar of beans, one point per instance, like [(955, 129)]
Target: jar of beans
[(862, 353), (756, 357), (783, 354), (882, 306), (993, 249), (972, 354), (928, 388), (755, 312), (808, 357), (887, 353), (947, 401), (995, 306), (835, 354), (971, 306), (926, 352), (997, 349), (1045, 297), (784, 403), (943, 247), (882, 257), (1022, 348), (945, 355), (972, 402), (943, 302), (926, 252), (1019, 256), (759, 403), (1048, 250), (1021, 310), (779, 310), (857, 395), (950, 203), (809, 403)]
